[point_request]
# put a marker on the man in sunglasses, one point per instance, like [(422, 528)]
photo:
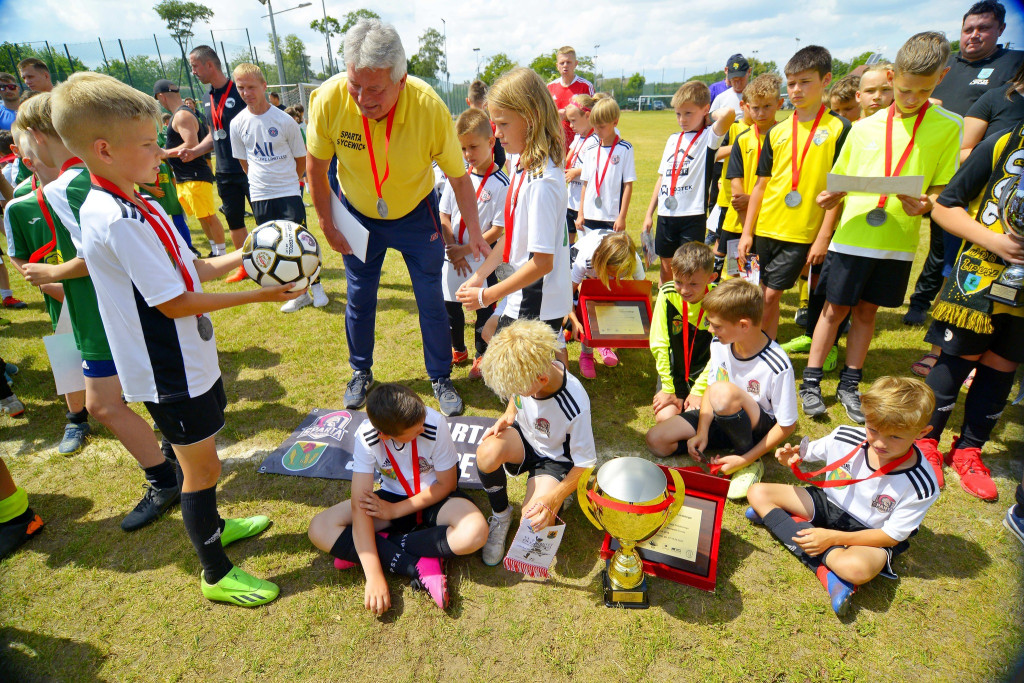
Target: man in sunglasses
[(10, 92)]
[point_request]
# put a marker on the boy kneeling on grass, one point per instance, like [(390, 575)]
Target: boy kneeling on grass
[(877, 488)]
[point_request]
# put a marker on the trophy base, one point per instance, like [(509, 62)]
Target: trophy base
[(633, 598), (1005, 294)]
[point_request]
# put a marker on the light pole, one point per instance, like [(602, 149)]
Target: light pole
[(444, 28), (327, 36), (477, 51), (273, 33), (595, 66)]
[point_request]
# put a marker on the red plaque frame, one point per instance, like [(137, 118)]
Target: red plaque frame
[(618, 291)]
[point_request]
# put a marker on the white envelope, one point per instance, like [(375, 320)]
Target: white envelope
[(65, 359), (357, 236)]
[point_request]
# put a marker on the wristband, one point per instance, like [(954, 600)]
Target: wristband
[(480, 297)]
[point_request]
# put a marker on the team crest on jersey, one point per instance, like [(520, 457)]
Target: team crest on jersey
[(839, 475), (272, 131), (883, 503), (721, 374), (425, 465), (542, 426), (754, 387), (820, 136), (303, 455), (485, 196), (230, 103), (677, 324), (615, 160), (332, 425), (387, 469), (518, 400)]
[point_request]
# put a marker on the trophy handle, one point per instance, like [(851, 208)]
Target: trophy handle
[(582, 487), (680, 492)]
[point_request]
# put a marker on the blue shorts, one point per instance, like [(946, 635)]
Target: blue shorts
[(98, 368)]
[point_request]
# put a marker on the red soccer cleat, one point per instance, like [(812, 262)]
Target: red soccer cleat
[(930, 450), (237, 276), (974, 476)]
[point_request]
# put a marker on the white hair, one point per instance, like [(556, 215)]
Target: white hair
[(372, 44)]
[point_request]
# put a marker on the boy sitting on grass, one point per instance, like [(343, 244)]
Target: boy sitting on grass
[(877, 488)]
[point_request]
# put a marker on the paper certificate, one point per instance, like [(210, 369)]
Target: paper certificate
[(357, 236), (618, 321), (904, 184), (679, 537)]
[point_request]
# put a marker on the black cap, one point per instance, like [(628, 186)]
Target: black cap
[(737, 66), (164, 85)]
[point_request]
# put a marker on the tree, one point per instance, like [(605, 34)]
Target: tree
[(429, 62), (634, 86), (328, 26), (181, 16), (496, 66), (60, 67), (293, 55), (144, 70), (757, 67)]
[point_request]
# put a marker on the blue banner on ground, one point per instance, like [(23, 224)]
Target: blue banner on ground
[(322, 445)]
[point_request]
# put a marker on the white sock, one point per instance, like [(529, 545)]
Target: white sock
[(4, 293), (317, 288), (221, 249)]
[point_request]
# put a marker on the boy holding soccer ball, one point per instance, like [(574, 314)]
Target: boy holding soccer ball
[(155, 312)]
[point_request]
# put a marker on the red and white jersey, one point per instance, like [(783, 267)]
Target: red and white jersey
[(563, 94)]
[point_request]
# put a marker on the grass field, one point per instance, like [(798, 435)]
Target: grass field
[(87, 602)]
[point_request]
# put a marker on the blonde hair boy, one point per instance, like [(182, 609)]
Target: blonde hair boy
[(605, 111), (90, 106), (473, 121), (692, 92), (517, 356), (734, 300), (895, 404), (246, 69)]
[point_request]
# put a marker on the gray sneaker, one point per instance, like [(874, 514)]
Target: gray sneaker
[(12, 406), (850, 398), (812, 401), (494, 549), (355, 392), (447, 396), (153, 504), (74, 438)]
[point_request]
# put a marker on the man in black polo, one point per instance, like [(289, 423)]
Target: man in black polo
[(981, 65)]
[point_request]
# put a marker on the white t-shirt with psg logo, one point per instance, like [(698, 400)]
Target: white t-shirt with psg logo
[(895, 502), (585, 248), (695, 171), (621, 169), (539, 228), (490, 207), (579, 148), (767, 376), (558, 426), (434, 449), (270, 143)]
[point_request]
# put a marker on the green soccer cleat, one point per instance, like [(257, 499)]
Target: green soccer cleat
[(743, 479), (241, 588), (830, 360), (237, 529), (801, 344)]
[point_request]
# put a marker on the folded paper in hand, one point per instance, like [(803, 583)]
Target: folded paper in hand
[(351, 229), (910, 185)]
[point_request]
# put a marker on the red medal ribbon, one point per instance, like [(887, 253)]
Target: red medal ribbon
[(807, 145), (378, 183), (42, 251), (410, 492), (676, 170), (884, 469), (574, 155), (757, 136), (462, 222), (511, 202), (217, 108), (687, 347), (601, 176), (882, 199)]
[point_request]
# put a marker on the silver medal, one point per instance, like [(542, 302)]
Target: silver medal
[(876, 217), (793, 199), (597, 201), (220, 134), (382, 208), (205, 327), (503, 271), (671, 203)]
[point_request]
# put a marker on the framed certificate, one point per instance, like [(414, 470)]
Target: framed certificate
[(615, 316)]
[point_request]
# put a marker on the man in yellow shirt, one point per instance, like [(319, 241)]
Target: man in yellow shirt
[(386, 130)]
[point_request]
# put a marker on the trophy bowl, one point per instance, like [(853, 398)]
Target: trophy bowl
[(1009, 286), (629, 499)]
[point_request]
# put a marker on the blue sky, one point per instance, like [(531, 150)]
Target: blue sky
[(637, 35)]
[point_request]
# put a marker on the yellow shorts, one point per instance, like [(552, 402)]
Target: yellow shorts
[(196, 198)]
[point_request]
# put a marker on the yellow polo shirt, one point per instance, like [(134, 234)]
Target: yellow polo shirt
[(422, 132)]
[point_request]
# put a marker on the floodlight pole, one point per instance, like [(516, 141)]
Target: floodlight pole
[(327, 35), (477, 51), (277, 48)]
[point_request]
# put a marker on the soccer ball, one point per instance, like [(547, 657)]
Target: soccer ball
[(281, 252)]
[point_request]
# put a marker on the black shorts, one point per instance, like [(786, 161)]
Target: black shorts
[(504, 321), (570, 219), (191, 420), (828, 515), (428, 515), (675, 231), (724, 237), (780, 262), (598, 225), (534, 464), (1006, 340), (717, 439), (279, 209), (849, 279), (233, 189)]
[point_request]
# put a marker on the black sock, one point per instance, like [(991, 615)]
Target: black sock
[(812, 377), (81, 417), (495, 484), (738, 428), (162, 476), (784, 528), (456, 324), (815, 305), (392, 558), (850, 378), (945, 380), (203, 525), (984, 405), (719, 263), (432, 542), (482, 316), (1020, 499)]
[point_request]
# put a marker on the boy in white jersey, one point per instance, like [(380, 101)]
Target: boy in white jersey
[(685, 173), (608, 173), (154, 311), (577, 113), (877, 489), (749, 406), (268, 145), (426, 517), (545, 430), (490, 183)]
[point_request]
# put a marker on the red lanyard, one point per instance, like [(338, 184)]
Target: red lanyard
[(576, 154), (677, 169), (600, 178), (73, 161), (378, 183), (687, 346), (42, 251), (511, 202), (462, 222), (401, 477), (217, 108), (807, 144), (888, 145), (757, 136), (884, 469)]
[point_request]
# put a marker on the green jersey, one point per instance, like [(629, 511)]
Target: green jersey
[(28, 232)]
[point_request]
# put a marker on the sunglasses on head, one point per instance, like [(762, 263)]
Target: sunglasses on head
[(9, 86)]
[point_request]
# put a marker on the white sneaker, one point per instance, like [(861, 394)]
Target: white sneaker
[(319, 296), (494, 549), (296, 304)]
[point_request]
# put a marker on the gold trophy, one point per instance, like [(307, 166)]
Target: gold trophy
[(630, 501), (1009, 286)]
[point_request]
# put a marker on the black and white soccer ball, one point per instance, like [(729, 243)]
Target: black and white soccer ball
[(281, 252)]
